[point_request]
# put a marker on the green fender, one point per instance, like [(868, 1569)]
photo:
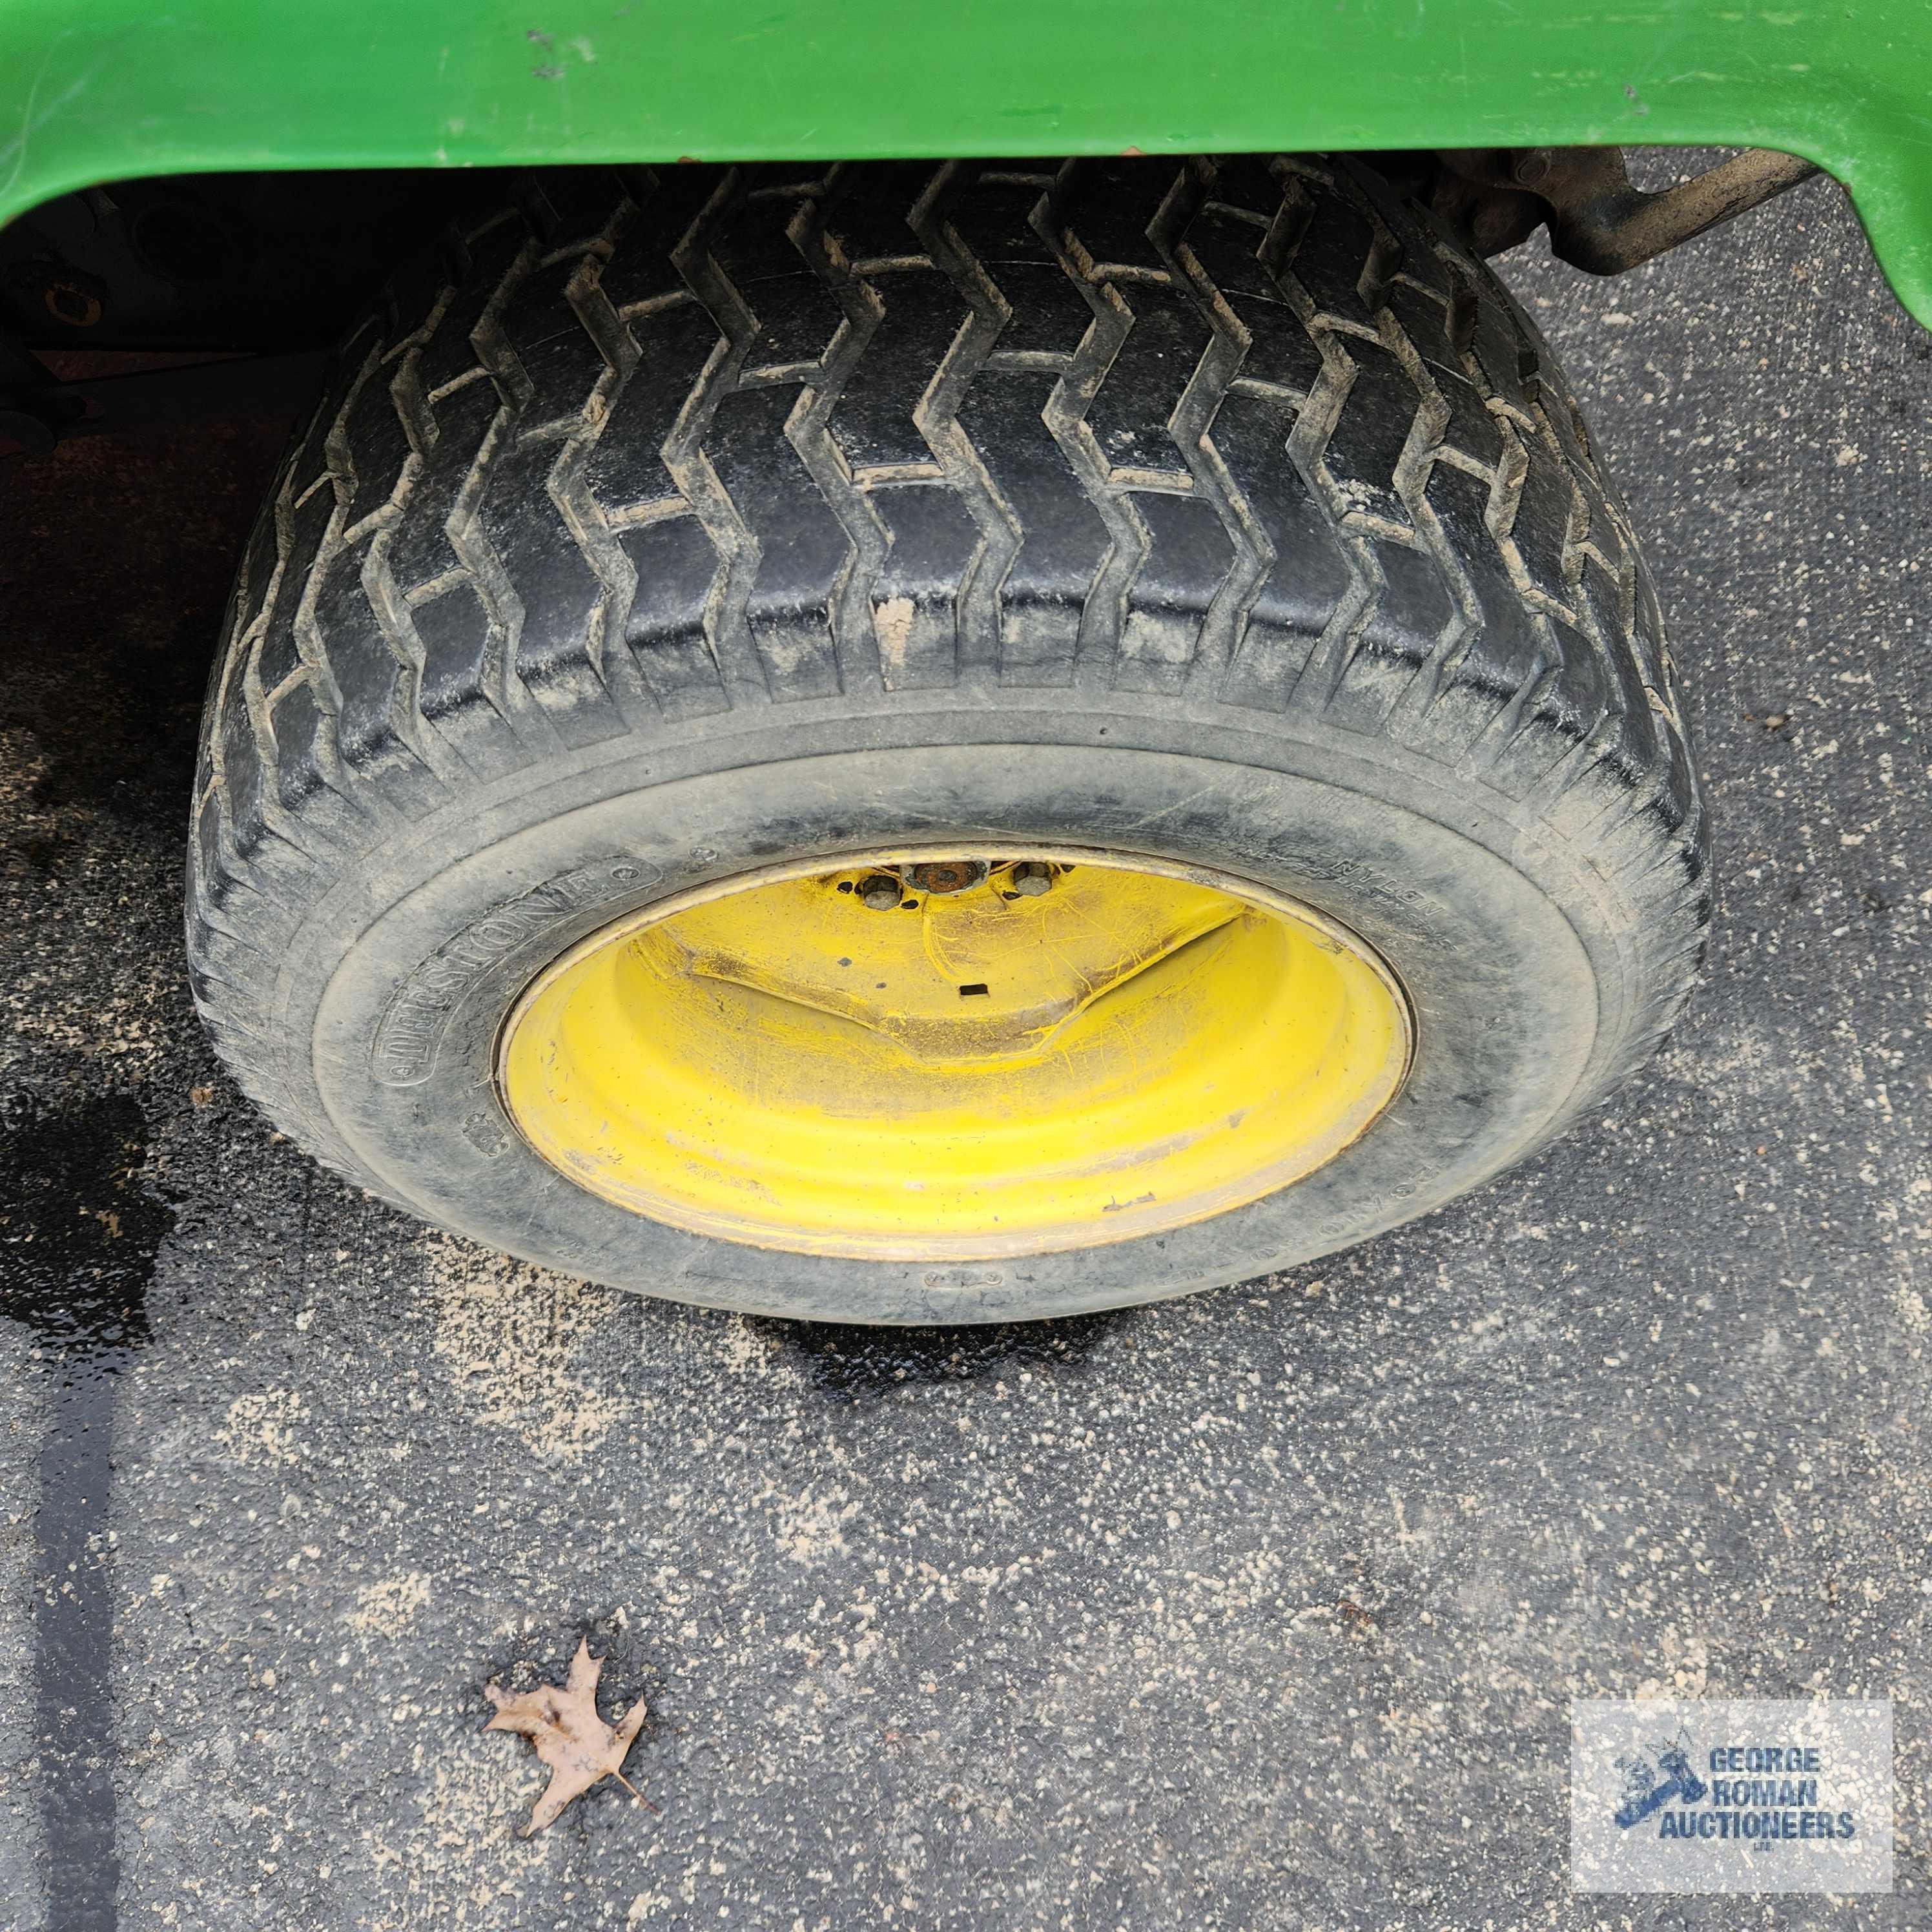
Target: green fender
[(93, 91)]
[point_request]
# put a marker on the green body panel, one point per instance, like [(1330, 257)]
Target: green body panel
[(98, 90)]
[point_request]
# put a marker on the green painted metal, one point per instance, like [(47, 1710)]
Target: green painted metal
[(99, 90)]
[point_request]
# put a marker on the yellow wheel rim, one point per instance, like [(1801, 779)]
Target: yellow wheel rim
[(947, 1055)]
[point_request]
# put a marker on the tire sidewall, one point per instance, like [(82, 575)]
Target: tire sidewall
[(1516, 954)]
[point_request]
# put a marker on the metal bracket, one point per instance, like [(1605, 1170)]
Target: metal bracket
[(30, 415), (37, 411), (1597, 220)]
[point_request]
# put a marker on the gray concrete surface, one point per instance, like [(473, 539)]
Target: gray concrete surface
[(23, 1423), (1262, 1609)]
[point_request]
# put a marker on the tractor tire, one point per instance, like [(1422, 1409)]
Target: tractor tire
[(682, 570)]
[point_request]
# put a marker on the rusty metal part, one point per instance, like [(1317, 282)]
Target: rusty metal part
[(78, 300), (1598, 219), (946, 875)]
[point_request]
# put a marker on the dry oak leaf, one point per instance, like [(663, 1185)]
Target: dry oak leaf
[(568, 1735)]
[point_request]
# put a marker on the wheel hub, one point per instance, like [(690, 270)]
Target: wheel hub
[(954, 1055)]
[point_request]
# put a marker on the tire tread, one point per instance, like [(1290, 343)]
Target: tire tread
[(640, 448)]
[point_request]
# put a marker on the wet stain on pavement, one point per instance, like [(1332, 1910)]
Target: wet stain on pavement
[(78, 1237), (854, 1361)]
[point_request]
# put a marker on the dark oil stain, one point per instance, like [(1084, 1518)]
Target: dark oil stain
[(79, 1237), (855, 1361), (78, 1232), (128, 752), (44, 857), (127, 543)]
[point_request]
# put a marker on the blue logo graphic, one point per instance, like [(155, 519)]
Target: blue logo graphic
[(1653, 1780)]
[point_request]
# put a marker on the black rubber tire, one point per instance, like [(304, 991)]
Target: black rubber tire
[(660, 527)]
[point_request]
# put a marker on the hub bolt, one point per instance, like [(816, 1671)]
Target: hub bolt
[(880, 893), (1032, 879), (948, 875)]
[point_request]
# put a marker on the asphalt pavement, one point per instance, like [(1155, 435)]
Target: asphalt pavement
[(1260, 1609)]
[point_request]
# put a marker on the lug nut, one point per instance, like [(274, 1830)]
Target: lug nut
[(881, 893), (1032, 879)]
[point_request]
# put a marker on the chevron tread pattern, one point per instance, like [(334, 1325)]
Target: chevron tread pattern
[(640, 448)]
